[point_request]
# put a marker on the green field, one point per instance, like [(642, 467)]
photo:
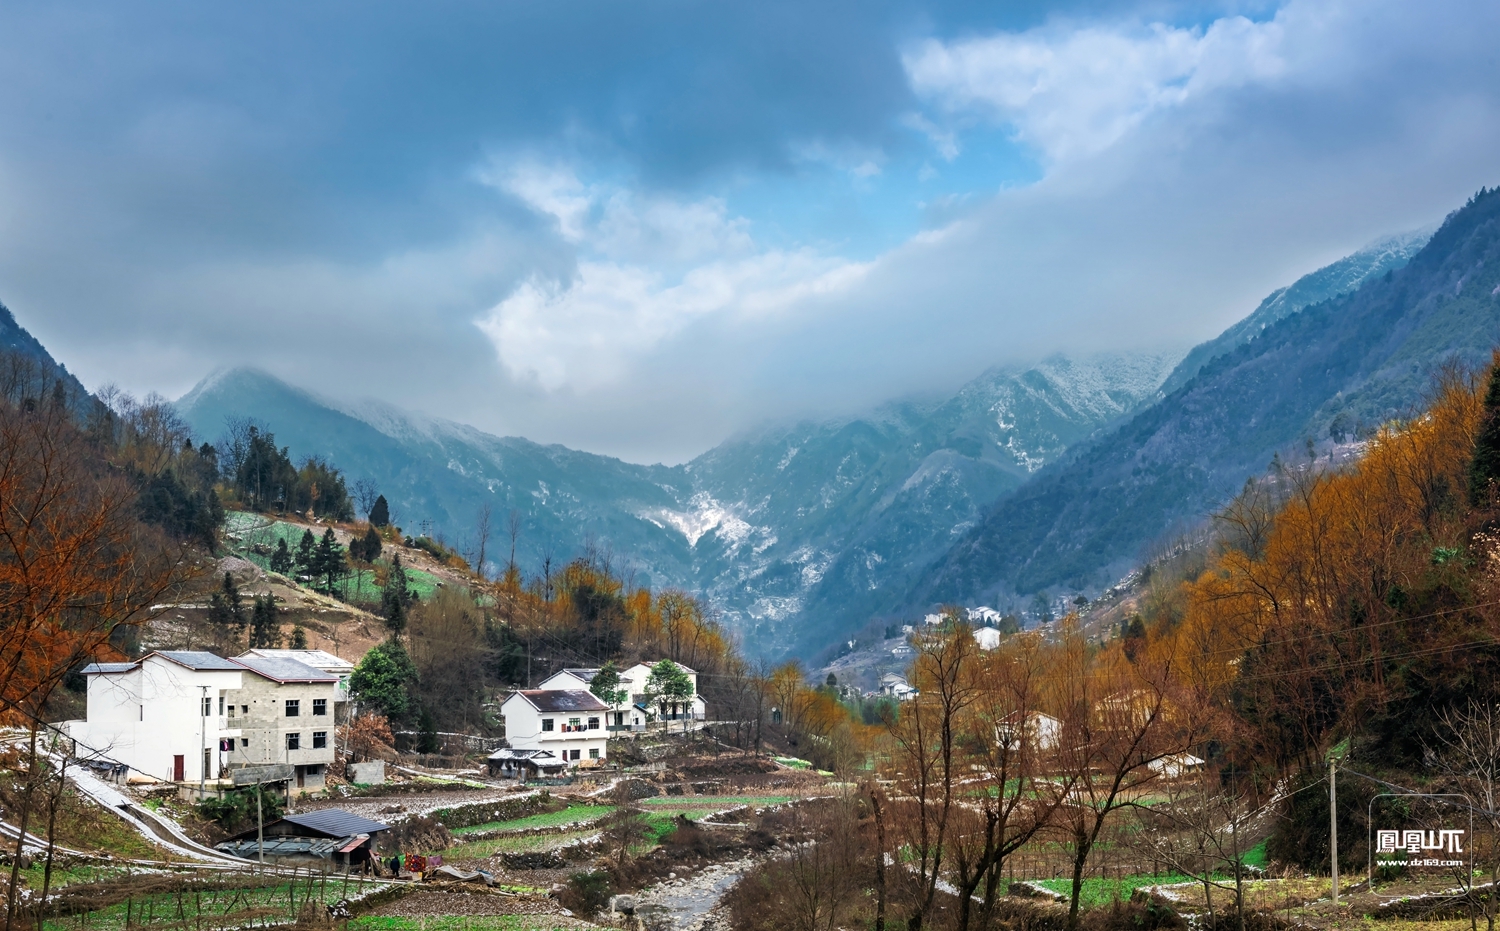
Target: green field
[(546, 819), (1097, 892), (244, 531), (216, 905), (455, 923), (519, 843)]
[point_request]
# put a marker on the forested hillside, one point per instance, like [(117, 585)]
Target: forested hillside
[(1332, 372)]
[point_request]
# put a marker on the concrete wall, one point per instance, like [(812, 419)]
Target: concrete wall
[(260, 712)]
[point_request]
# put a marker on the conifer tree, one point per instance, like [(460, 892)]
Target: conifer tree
[(265, 625), (306, 553), (1484, 468), (281, 560), (371, 546), (394, 598), (226, 609), (328, 561), (299, 637), (380, 513)]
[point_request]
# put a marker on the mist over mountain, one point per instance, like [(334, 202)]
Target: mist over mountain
[(1331, 372)]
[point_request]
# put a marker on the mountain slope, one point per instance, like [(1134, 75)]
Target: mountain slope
[(1345, 363), (795, 533), (15, 338)]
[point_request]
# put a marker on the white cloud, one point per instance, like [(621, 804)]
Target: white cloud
[(1074, 91), (649, 267)]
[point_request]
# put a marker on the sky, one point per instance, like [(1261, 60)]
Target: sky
[(639, 227)]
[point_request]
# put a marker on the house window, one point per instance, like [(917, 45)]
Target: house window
[(143, 712), (244, 709), (221, 704), (593, 753), (574, 725), (208, 706), (320, 739), (546, 724), (244, 742), (593, 724), (575, 754), (320, 706), (294, 741), (293, 707), (233, 709)]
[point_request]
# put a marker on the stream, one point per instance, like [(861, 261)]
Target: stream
[(684, 904)]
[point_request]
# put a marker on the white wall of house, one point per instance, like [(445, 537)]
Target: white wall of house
[(151, 715), (634, 680), (564, 680), (573, 736)]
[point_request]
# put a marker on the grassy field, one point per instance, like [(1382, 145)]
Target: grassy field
[(1097, 892), (519, 843), (216, 906), (689, 803), (455, 923), (546, 819), (244, 531)]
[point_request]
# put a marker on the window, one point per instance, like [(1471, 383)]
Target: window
[(320, 706), (143, 712), (574, 725), (233, 709), (546, 724), (294, 741), (593, 724), (221, 704), (593, 753), (244, 709), (320, 739), (244, 742), (575, 754), (208, 706), (293, 707)]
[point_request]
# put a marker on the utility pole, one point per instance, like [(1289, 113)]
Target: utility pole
[(260, 828), (1333, 824), (203, 743)]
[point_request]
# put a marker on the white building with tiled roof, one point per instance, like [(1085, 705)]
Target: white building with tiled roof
[(162, 716), (567, 722)]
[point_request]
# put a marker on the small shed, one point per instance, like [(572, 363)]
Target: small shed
[(330, 834), (512, 763)]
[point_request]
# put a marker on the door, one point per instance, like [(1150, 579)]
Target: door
[(179, 765), (208, 772), (301, 776)]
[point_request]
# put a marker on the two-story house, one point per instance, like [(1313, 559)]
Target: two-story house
[(163, 716), (567, 722), (634, 681), (285, 714)]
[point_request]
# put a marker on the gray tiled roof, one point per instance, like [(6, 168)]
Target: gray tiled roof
[(283, 669), (198, 659), (94, 669), (335, 822), (320, 659), (586, 675), (554, 700)]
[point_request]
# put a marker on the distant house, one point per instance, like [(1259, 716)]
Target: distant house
[(570, 679), (896, 686), (1176, 765), (569, 723), (285, 713), (331, 836), (511, 763), (1042, 730), (339, 668), (162, 716), (987, 637)]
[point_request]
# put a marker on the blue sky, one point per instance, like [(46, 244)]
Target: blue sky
[(638, 227)]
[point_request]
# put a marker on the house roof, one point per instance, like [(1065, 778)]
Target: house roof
[(96, 669), (587, 675), (511, 753), (682, 666), (318, 659), (553, 700), (200, 660), (335, 822), (283, 669)]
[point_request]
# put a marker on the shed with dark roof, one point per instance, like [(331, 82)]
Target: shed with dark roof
[(331, 834)]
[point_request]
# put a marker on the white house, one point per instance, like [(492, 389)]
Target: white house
[(569, 679), (162, 715), (896, 686), (341, 669), (987, 637), (633, 681), (1042, 730), (1176, 765), (285, 712), (569, 723)]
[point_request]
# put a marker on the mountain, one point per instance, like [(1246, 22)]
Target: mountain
[(797, 533), (1336, 368), (1330, 281), (15, 338)]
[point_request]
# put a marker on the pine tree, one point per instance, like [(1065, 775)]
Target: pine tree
[(380, 513), (328, 561), (306, 553), (299, 637), (265, 625), (281, 560), (394, 598), (226, 609), (371, 545), (1484, 468)]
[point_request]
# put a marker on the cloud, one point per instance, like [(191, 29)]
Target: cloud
[(1072, 91), (650, 267)]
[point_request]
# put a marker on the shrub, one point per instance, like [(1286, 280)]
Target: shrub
[(587, 893), (235, 811)]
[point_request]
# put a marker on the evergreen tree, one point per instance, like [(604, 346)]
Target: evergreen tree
[(299, 637), (328, 561), (385, 680), (427, 738), (371, 545), (265, 623), (226, 609), (281, 560), (1484, 468), (380, 513), (394, 598), (306, 552), (606, 685)]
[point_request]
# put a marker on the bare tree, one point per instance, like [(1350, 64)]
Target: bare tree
[(365, 493), (1469, 750), (482, 536)]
